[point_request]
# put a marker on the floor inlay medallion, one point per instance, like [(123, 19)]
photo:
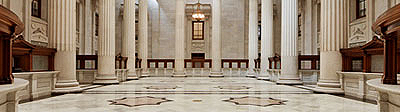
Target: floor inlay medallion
[(139, 101), (161, 87), (256, 101), (233, 87)]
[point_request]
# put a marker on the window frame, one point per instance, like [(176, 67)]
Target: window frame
[(39, 14), (202, 30), (359, 9)]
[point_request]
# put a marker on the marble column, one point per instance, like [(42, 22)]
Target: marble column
[(334, 27), (88, 27), (27, 16), (143, 35), (179, 39), (308, 38), (81, 26), (267, 37), (216, 40), (370, 19), (62, 32), (106, 55), (289, 55), (253, 37), (128, 38)]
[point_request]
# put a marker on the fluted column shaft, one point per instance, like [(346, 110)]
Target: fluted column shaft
[(289, 54), (143, 34), (253, 37), (88, 49), (62, 32), (106, 55), (334, 27), (179, 38), (267, 36), (216, 39), (128, 38)]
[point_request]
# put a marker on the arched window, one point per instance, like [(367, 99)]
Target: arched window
[(36, 8)]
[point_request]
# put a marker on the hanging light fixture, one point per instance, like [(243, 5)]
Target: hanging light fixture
[(198, 15)]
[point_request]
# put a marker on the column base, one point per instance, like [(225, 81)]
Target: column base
[(133, 76), (105, 80), (330, 87), (263, 76), (290, 81), (145, 74), (216, 75), (179, 74), (251, 74), (67, 86)]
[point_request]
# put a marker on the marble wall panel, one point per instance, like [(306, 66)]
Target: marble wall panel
[(377, 63)]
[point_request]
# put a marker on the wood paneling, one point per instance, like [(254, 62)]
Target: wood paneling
[(10, 25), (388, 26), (373, 47), (23, 53)]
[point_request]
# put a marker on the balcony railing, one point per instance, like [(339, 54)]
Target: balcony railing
[(121, 62), (305, 62), (160, 63), (257, 63), (235, 63), (198, 63), (274, 62), (82, 59), (89, 62)]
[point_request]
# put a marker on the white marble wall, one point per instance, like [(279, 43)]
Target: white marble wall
[(234, 29), (360, 28), (162, 33), (40, 63)]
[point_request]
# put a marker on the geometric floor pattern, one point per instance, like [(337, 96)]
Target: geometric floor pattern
[(197, 94), (138, 101), (256, 101)]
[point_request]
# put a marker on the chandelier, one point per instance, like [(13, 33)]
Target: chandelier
[(198, 15)]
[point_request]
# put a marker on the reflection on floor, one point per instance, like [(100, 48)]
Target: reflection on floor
[(197, 94)]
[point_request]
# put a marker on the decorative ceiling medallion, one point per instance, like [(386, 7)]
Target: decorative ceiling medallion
[(139, 101), (161, 87), (233, 87), (256, 101)]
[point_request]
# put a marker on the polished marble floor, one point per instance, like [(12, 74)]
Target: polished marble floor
[(196, 94)]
